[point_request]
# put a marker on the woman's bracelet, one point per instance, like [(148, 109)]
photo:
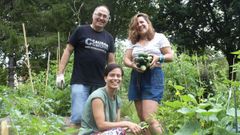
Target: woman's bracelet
[(161, 58)]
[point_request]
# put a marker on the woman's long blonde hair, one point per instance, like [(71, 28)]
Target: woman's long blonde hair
[(133, 35)]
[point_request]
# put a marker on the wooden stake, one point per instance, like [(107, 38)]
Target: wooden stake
[(58, 52), (48, 66), (27, 55), (4, 128)]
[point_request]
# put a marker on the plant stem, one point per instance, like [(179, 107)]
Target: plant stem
[(27, 55)]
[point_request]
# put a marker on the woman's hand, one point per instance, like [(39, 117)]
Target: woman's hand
[(134, 66), (154, 62), (135, 128)]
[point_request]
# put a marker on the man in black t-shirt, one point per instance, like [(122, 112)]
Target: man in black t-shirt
[(93, 49)]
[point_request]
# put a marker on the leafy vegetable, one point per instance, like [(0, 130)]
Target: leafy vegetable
[(143, 61)]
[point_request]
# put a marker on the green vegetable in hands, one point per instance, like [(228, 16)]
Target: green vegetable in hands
[(143, 61), (143, 125)]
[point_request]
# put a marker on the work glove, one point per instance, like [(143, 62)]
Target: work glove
[(60, 83)]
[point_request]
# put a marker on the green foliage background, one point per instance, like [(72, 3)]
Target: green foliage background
[(196, 99), (191, 105)]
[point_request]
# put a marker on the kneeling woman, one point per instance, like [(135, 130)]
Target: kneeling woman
[(102, 110)]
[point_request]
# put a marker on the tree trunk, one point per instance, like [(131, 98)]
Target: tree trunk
[(11, 70)]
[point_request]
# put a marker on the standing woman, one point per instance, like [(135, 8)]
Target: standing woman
[(146, 87), (101, 114)]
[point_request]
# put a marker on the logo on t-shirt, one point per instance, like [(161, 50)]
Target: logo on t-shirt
[(96, 45)]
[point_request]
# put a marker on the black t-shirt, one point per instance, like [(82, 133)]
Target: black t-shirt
[(91, 49)]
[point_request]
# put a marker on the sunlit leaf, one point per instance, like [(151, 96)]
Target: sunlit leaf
[(204, 105), (179, 87), (236, 52), (174, 104), (185, 110), (188, 98), (189, 128), (231, 112)]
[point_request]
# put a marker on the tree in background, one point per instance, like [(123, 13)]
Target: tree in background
[(199, 25), (193, 25), (9, 48), (43, 19), (121, 12)]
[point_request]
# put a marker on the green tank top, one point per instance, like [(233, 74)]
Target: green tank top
[(88, 123)]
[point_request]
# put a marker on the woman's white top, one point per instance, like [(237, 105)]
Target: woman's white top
[(151, 47)]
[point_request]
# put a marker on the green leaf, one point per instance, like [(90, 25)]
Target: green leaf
[(179, 87), (174, 104), (236, 52), (213, 118), (215, 110), (185, 110), (189, 128), (201, 111), (222, 131), (208, 113), (231, 112), (204, 105), (189, 98)]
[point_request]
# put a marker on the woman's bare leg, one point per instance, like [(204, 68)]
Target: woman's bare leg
[(149, 107), (138, 106)]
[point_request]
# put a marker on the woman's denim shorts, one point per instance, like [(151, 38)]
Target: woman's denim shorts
[(148, 85)]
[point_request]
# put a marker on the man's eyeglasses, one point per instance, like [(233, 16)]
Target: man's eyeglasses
[(99, 15)]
